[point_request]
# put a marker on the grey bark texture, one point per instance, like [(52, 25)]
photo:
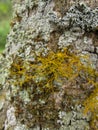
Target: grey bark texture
[(37, 27)]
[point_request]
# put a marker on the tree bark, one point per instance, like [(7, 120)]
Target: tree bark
[(37, 27)]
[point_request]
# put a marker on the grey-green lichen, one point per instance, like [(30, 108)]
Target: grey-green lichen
[(74, 120), (78, 16)]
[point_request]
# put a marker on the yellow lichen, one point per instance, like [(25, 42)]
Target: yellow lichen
[(58, 67), (91, 105)]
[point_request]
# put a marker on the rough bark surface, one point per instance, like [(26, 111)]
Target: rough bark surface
[(37, 27)]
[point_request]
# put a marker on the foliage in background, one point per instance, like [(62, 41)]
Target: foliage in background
[(5, 15), (5, 8)]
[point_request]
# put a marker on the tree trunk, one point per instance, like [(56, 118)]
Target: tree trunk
[(37, 28)]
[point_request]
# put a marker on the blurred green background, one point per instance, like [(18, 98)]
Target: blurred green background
[(5, 17)]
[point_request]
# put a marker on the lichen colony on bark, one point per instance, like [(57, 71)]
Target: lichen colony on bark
[(49, 66)]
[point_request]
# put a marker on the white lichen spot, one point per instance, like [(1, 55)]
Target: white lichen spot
[(11, 119)]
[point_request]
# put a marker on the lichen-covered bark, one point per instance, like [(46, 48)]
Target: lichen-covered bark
[(37, 27)]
